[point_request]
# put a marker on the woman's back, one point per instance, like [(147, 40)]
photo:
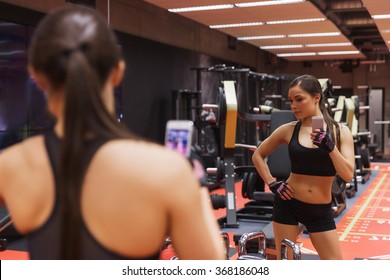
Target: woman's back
[(131, 190), (132, 193)]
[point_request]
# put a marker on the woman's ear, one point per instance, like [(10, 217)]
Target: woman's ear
[(39, 78), (317, 98), (117, 73)]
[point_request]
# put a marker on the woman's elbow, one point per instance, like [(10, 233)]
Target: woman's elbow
[(348, 178), (254, 157), (349, 174)]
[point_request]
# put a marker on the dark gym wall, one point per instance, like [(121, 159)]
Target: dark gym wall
[(153, 71), (146, 21)]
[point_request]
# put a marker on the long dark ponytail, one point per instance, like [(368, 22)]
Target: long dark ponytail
[(311, 85), (74, 48)]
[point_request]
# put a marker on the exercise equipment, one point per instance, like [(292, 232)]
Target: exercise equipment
[(261, 204), (242, 249), (339, 201), (362, 154), (337, 108), (226, 170), (279, 164), (296, 251), (252, 246), (4, 224), (8, 232), (227, 121)]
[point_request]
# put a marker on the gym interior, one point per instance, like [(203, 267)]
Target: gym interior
[(228, 71)]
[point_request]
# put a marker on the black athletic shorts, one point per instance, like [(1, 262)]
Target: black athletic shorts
[(316, 217)]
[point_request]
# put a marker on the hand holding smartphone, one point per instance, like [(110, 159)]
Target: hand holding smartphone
[(178, 136), (317, 122)]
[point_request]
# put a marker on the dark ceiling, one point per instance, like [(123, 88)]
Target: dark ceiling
[(355, 22), (355, 30)]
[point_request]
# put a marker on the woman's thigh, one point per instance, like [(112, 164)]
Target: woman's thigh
[(282, 231), (327, 244)]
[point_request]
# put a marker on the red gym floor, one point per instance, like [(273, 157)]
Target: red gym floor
[(363, 227)]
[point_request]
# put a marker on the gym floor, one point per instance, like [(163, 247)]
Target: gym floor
[(363, 227)]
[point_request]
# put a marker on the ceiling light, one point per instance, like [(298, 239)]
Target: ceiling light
[(12, 53), (295, 20), (328, 45), (236, 25), (296, 54), (261, 37), (381, 16), (338, 52), (315, 34), (280, 47), (201, 8), (267, 3)]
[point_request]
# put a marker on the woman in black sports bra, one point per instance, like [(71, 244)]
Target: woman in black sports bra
[(316, 156), (89, 189)]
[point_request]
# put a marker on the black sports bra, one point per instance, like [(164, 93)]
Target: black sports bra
[(308, 161), (44, 243)]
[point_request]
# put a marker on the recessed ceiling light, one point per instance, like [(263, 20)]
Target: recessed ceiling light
[(261, 37), (338, 52), (267, 3), (296, 54), (280, 47), (201, 8), (381, 16), (328, 45), (219, 26), (315, 34), (12, 52), (295, 20)]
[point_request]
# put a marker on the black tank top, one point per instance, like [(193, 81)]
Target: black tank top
[(308, 161), (44, 243)]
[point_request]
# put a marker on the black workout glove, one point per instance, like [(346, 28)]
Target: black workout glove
[(324, 141), (278, 188)]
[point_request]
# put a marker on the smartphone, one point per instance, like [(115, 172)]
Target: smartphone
[(317, 122), (178, 136)]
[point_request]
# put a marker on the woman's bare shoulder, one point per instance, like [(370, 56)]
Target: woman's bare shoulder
[(149, 157), (142, 149), (288, 126), (30, 147), (345, 131), (285, 130), (291, 124)]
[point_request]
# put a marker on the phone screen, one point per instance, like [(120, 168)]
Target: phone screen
[(179, 140), (317, 122)]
